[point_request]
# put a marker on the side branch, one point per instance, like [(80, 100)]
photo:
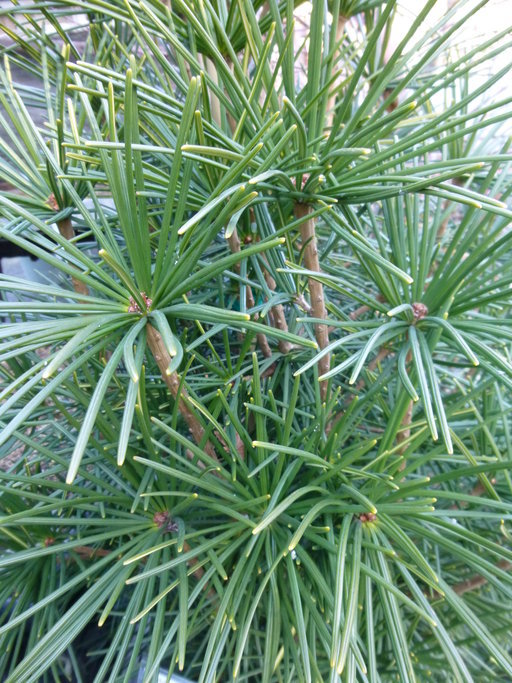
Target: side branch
[(234, 245), (277, 314), (172, 380), (316, 289), (478, 581), (66, 230)]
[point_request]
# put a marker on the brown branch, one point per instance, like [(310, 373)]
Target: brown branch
[(480, 488), (234, 240), (66, 230), (172, 380), (473, 583), (478, 581), (477, 490), (198, 572), (261, 338), (316, 289), (405, 432), (234, 245), (88, 553), (277, 314), (358, 312)]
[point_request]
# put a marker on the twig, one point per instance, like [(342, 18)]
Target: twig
[(66, 230), (478, 581), (277, 314), (477, 490), (405, 432), (261, 338), (358, 312), (234, 245), (316, 289), (89, 553), (172, 380)]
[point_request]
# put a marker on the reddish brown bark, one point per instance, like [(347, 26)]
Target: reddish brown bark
[(172, 380), (316, 289)]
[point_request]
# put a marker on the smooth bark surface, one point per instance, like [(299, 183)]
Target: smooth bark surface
[(172, 380), (316, 289)]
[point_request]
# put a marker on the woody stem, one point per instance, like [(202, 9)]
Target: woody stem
[(66, 230), (316, 289), (172, 380)]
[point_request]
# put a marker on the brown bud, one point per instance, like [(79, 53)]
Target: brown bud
[(52, 202), (134, 306), (367, 517), (419, 311), (146, 300), (161, 518)]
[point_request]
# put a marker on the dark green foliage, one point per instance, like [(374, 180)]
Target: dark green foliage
[(193, 477)]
